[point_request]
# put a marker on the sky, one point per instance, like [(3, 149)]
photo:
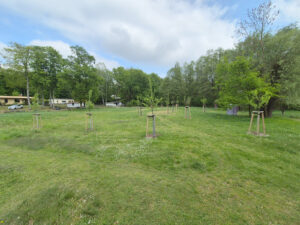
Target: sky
[(151, 35)]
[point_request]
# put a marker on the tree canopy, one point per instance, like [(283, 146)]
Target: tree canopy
[(261, 71)]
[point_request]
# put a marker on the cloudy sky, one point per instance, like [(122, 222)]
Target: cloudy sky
[(148, 34)]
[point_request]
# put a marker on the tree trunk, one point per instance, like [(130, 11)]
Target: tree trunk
[(27, 91), (53, 99), (249, 110), (43, 99), (50, 99), (105, 91), (269, 108), (102, 99)]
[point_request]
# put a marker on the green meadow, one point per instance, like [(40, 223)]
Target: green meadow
[(206, 170)]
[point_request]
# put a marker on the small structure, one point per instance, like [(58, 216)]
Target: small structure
[(10, 100), (113, 104), (153, 126), (36, 121), (89, 122), (61, 101), (233, 111), (187, 112), (257, 132), (73, 105)]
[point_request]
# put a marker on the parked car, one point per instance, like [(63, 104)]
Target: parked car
[(15, 107)]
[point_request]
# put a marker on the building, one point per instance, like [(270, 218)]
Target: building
[(61, 101), (11, 100)]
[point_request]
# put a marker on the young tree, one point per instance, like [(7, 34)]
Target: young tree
[(90, 104), (204, 100), (151, 100)]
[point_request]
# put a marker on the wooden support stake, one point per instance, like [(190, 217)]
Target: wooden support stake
[(259, 114), (250, 126), (147, 126), (140, 112), (257, 126), (263, 122), (36, 121), (153, 126), (89, 122)]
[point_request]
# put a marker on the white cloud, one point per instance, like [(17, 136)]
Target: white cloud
[(289, 10), (153, 32), (65, 50), (62, 47)]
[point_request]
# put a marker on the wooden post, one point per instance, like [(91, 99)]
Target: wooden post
[(140, 111), (153, 126), (263, 122), (259, 114), (257, 126), (250, 126), (89, 122), (147, 126), (36, 121)]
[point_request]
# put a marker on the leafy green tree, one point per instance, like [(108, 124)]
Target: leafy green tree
[(177, 88), (18, 57), (283, 54), (80, 75), (11, 81), (239, 85), (106, 84), (130, 83)]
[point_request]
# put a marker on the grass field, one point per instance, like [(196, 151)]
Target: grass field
[(206, 170)]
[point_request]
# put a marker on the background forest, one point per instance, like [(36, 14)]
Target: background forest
[(261, 72)]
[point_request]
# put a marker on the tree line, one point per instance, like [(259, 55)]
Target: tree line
[(262, 71)]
